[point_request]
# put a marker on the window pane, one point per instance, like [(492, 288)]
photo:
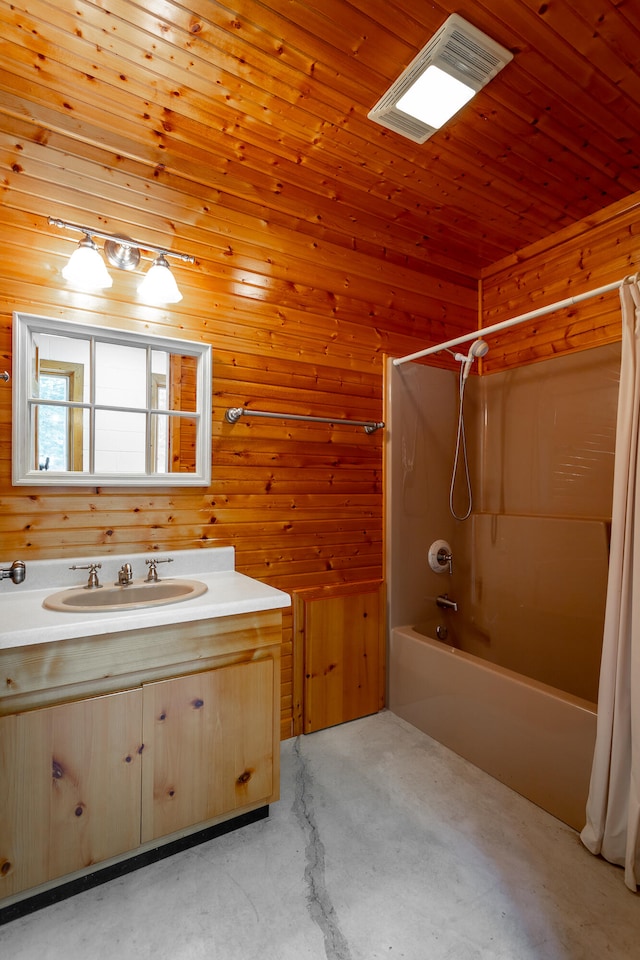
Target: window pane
[(61, 439), (63, 354), (53, 425), (121, 375), (183, 433), (182, 383), (159, 444), (120, 442), (53, 432)]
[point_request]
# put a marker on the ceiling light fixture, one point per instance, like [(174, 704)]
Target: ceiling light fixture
[(455, 64), (86, 269)]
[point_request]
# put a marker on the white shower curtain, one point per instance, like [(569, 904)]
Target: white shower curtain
[(613, 807)]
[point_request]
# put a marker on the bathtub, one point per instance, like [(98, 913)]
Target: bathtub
[(534, 738)]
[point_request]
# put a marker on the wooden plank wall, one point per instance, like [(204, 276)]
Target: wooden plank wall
[(299, 320), (595, 252), (300, 310)]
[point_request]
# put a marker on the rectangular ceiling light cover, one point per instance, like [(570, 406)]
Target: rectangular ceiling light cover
[(459, 50)]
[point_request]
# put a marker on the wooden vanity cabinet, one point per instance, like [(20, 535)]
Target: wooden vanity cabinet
[(70, 787), (182, 732), (211, 738)]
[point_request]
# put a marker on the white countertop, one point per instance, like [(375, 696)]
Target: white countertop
[(24, 621)]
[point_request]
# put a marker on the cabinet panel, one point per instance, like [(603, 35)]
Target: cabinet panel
[(209, 746), (70, 788), (341, 630)]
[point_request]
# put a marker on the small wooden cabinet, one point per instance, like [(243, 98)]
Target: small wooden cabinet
[(180, 732), (340, 641)]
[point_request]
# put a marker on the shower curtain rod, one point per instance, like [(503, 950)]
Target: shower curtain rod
[(504, 324), (233, 414)]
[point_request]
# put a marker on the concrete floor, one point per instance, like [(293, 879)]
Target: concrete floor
[(384, 845)]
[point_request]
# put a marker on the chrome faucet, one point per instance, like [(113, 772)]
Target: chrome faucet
[(446, 604), (152, 576), (16, 572), (125, 575)]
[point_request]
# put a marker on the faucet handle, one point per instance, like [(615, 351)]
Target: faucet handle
[(93, 581), (440, 556), (152, 563)]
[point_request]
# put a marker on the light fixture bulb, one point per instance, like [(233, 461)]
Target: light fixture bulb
[(159, 285), (86, 269), (435, 97)]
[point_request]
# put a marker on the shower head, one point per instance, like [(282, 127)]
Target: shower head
[(479, 348)]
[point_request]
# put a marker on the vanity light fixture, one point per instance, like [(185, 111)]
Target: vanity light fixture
[(453, 66), (86, 269), (159, 285)]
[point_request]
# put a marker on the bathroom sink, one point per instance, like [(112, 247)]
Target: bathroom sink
[(137, 594)]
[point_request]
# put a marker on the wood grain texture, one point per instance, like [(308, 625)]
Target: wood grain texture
[(190, 737), (591, 254), (268, 102), (341, 639), (51, 673), (238, 132), (70, 788), (209, 746)]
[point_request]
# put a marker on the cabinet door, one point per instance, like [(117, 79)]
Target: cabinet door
[(342, 628), (69, 788), (209, 746)]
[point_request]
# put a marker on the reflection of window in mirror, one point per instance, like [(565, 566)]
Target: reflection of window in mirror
[(182, 442), (59, 428), (159, 441), (94, 405)]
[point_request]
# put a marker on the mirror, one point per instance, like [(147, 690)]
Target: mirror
[(98, 406)]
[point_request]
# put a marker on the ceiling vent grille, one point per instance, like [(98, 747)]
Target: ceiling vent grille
[(459, 49)]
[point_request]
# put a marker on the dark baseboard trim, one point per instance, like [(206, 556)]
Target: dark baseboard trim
[(65, 890)]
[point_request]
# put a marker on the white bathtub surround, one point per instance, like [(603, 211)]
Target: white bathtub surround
[(613, 810), (24, 621), (384, 845)]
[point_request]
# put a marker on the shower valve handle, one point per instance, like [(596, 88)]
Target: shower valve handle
[(440, 556)]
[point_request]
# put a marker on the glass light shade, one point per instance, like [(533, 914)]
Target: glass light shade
[(435, 97), (159, 285), (86, 269)]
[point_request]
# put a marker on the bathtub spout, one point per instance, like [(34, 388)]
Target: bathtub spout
[(446, 604)]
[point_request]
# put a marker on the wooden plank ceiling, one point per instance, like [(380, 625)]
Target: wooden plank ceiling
[(263, 104)]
